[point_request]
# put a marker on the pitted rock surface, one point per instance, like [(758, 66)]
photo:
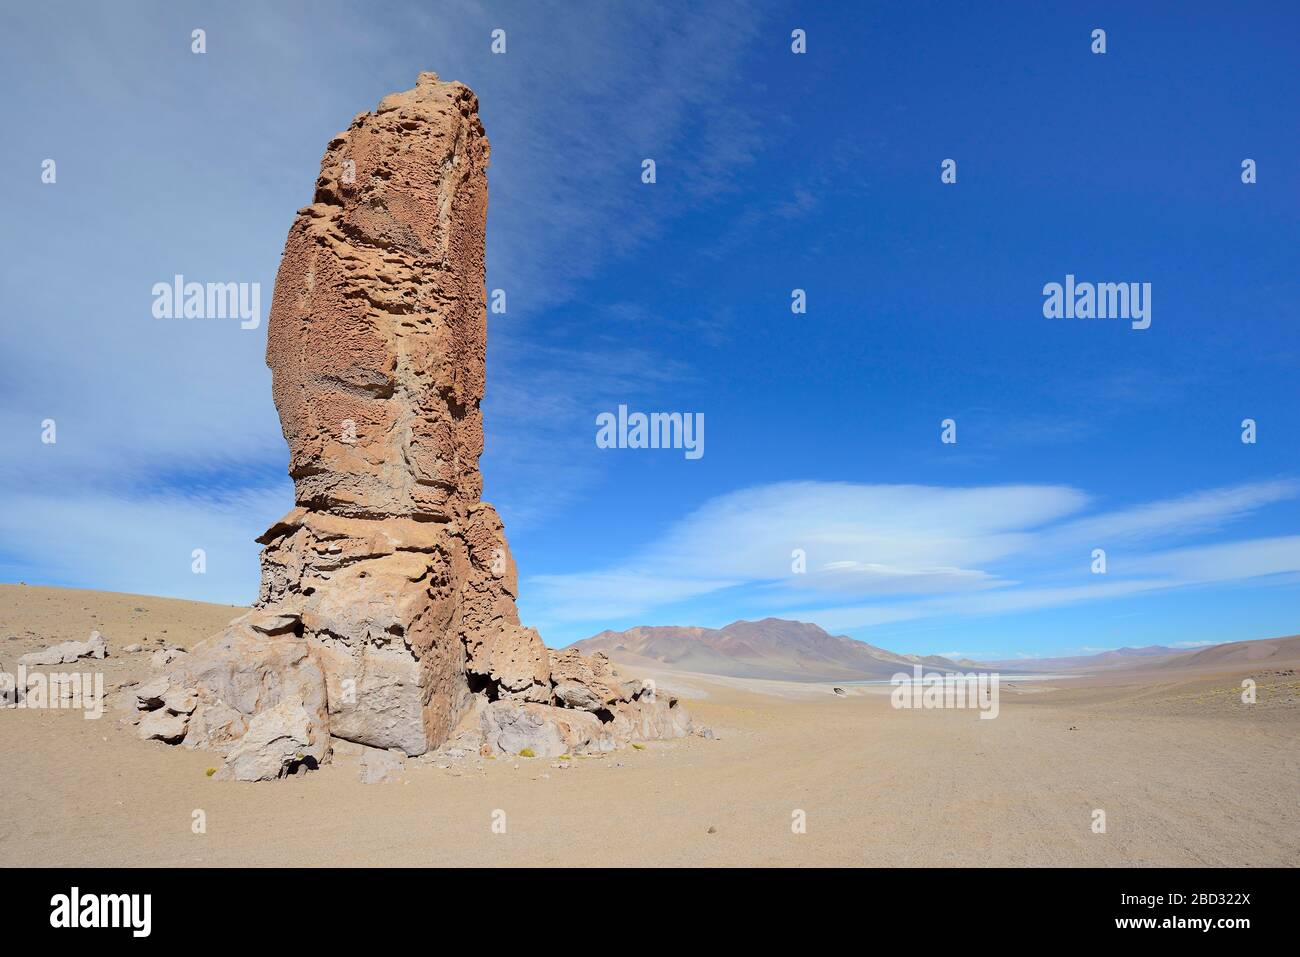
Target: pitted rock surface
[(386, 614)]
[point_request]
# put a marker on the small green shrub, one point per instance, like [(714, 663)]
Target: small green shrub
[(528, 753), (209, 772)]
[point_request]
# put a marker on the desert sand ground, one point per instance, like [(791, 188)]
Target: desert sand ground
[(1186, 773)]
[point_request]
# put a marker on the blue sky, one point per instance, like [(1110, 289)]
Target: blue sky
[(775, 171)]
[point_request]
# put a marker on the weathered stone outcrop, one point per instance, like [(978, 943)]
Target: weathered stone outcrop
[(386, 614), (66, 652)]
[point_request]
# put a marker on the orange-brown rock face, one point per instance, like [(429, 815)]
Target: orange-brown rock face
[(387, 608), (395, 573), (377, 332)]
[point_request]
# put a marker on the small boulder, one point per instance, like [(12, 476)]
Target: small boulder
[(512, 727), (573, 695), (66, 652), (162, 658), (277, 742), (150, 694), (181, 700), (163, 725)]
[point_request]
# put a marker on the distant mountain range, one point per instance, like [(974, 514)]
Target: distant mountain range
[(771, 648), (1160, 657), (779, 649), (1105, 660)]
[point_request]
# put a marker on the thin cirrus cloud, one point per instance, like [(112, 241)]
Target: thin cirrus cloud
[(168, 426), (918, 538), (1224, 561), (1187, 515), (998, 603), (879, 554)]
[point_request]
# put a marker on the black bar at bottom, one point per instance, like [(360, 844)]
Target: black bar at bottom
[(354, 905)]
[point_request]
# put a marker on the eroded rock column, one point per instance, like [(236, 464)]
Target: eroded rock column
[(386, 614), (392, 569)]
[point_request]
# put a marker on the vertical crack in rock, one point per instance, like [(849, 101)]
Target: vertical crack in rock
[(386, 614)]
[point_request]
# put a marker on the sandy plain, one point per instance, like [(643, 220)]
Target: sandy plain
[(1186, 773)]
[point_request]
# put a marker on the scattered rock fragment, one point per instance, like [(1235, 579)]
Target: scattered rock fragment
[(277, 743), (164, 657), (181, 700), (66, 652), (149, 695), (163, 725)]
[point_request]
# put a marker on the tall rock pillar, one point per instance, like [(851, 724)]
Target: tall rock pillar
[(392, 569), (386, 614)]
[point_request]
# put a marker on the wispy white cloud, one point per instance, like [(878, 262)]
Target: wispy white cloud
[(1180, 517), (149, 410), (879, 535), (886, 554), (654, 82), (918, 539), (1224, 561)]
